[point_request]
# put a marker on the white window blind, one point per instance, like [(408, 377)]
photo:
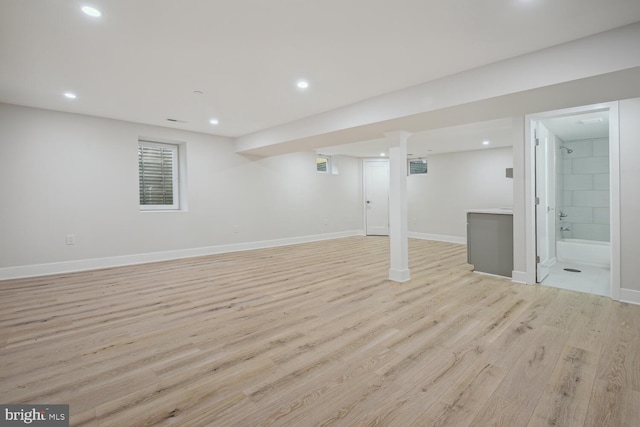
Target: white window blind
[(158, 175)]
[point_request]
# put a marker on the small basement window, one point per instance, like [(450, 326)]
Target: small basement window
[(323, 164), (417, 166), (158, 176)]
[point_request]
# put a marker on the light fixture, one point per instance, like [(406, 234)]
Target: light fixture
[(214, 121), (70, 95), (592, 121), (302, 84), (485, 142), (382, 154), (91, 11)]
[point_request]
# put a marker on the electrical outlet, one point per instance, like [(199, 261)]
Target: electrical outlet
[(71, 239), (235, 229)]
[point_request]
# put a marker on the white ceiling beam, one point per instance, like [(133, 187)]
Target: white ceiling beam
[(601, 54)]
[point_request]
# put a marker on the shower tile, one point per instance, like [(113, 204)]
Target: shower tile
[(567, 198), (591, 165), (596, 199), (601, 215), (578, 214), (601, 181), (582, 148), (566, 234), (567, 166), (578, 182), (598, 232), (601, 147)]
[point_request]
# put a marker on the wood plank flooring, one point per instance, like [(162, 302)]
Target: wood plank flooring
[(315, 335)]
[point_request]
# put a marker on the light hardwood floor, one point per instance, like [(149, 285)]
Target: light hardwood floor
[(314, 334)]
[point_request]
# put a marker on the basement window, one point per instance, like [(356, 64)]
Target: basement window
[(158, 176), (417, 166), (323, 164)]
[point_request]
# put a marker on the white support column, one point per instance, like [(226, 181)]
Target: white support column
[(399, 271)]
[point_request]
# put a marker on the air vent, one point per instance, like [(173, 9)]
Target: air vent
[(177, 121), (593, 121)]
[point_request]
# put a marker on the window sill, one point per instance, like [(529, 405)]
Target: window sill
[(162, 210)]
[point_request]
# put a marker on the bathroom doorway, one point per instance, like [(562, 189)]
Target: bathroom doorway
[(575, 204)]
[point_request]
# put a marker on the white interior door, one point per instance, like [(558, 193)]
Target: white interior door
[(376, 193), (545, 201)]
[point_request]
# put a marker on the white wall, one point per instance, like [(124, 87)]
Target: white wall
[(629, 111), (456, 182), (71, 174)]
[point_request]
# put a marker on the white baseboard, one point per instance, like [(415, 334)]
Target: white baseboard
[(118, 261), (399, 276), (630, 296), (519, 277), (437, 237)]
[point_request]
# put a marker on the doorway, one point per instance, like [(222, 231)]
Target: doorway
[(376, 196), (576, 199)]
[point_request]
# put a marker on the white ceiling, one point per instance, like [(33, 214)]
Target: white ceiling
[(143, 59), (581, 126)]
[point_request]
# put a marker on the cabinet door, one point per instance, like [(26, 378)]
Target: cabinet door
[(490, 243)]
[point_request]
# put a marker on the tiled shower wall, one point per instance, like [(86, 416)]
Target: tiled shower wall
[(583, 189)]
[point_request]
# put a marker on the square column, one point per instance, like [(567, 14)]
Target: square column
[(398, 221)]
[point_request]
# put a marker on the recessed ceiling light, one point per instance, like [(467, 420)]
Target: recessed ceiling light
[(91, 11), (214, 121), (302, 84), (382, 154), (70, 95), (485, 142)]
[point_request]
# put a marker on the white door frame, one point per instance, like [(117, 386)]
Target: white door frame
[(364, 188), (614, 172), (547, 203)]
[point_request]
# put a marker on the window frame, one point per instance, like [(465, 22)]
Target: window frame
[(175, 176), (328, 162), (421, 160)]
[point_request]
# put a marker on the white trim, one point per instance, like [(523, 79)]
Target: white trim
[(630, 296), (399, 275), (614, 203), (614, 159), (118, 261), (529, 196), (437, 237), (520, 277)]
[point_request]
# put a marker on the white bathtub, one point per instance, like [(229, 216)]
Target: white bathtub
[(584, 251)]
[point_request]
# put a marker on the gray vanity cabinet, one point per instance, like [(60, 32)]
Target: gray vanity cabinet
[(490, 242)]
